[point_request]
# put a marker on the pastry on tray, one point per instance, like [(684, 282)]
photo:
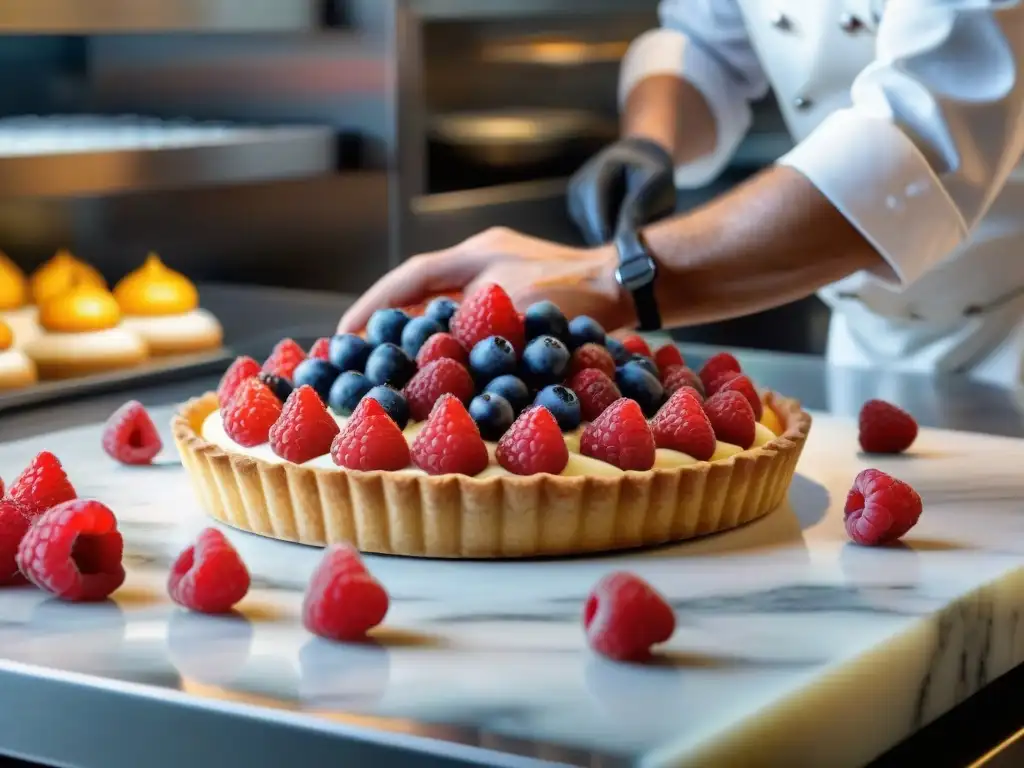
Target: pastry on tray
[(472, 431), (16, 369), (162, 306), (81, 333), (16, 309)]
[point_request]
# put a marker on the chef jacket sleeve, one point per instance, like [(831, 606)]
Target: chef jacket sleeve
[(934, 130), (706, 43)]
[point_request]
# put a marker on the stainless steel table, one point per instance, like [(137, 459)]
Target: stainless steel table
[(255, 318)]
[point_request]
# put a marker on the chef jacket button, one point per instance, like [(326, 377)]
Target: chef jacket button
[(802, 102), (781, 21), (849, 23)]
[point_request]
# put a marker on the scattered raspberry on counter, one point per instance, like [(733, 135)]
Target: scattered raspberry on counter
[(249, 415), (595, 390), (533, 444), (343, 601), (667, 356), (241, 369), (636, 345), (284, 359), (320, 348), (305, 429), (130, 436), (450, 441), (14, 524), (74, 551), (488, 312), (209, 575), (441, 377), (715, 367), (732, 418), (885, 428), (440, 346), (620, 436), (880, 509), (682, 425), (1, 487), (42, 485), (371, 440), (624, 617)]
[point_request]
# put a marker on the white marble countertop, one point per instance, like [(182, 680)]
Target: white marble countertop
[(794, 647)]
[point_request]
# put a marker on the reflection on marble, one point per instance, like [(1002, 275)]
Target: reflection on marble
[(794, 647)]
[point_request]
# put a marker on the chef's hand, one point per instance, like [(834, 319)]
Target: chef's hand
[(632, 166), (579, 281)]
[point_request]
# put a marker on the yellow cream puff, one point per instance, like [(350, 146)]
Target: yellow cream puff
[(162, 306), (61, 273), (16, 369), (15, 309), (82, 334)]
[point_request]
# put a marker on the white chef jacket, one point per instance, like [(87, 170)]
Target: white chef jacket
[(908, 116)]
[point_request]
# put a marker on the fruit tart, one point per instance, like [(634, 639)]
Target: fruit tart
[(472, 431)]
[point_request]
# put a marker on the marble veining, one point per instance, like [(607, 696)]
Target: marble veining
[(794, 646)]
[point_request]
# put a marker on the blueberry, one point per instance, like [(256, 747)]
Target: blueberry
[(585, 330), (416, 332), (618, 350), (393, 402), (646, 363), (545, 361), (318, 374), (491, 358), (389, 365), (637, 384), (385, 327), (511, 389), (563, 404), (279, 385), (348, 352), (440, 310), (545, 319), (346, 392), (493, 415)]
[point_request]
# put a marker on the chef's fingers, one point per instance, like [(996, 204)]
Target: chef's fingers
[(414, 280)]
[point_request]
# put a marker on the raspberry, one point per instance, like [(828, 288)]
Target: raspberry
[(42, 485), (441, 377), (208, 576), (74, 551), (596, 391), (624, 616), (681, 425), (592, 356), (449, 442), (243, 368), (250, 414), (343, 601), (319, 349), (742, 384), (130, 435), (1, 487), (284, 359), (880, 509), (732, 418), (667, 356), (488, 312), (718, 364), (620, 436), (440, 346), (676, 377), (371, 440), (533, 444), (305, 429), (636, 345), (884, 428), (14, 524)]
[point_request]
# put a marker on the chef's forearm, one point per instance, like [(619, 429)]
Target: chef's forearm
[(672, 112), (772, 240)]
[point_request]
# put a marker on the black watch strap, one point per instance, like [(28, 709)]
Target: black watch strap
[(636, 273)]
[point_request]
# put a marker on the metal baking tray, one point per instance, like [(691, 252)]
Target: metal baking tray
[(158, 371), (82, 155), (70, 17)]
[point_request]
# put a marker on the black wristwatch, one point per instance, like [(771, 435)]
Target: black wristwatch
[(636, 273)]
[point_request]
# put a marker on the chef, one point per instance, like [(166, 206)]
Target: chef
[(901, 203)]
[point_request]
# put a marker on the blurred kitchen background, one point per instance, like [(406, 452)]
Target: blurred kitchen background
[(315, 144)]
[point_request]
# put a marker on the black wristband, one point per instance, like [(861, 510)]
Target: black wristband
[(636, 273)]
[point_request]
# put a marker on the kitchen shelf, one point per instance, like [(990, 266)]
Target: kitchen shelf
[(70, 17), (79, 156)]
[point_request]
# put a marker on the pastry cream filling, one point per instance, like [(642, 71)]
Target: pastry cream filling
[(85, 346), (579, 465), (60, 274), (171, 328), (154, 290)]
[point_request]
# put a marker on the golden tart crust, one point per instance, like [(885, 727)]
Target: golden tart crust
[(456, 516)]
